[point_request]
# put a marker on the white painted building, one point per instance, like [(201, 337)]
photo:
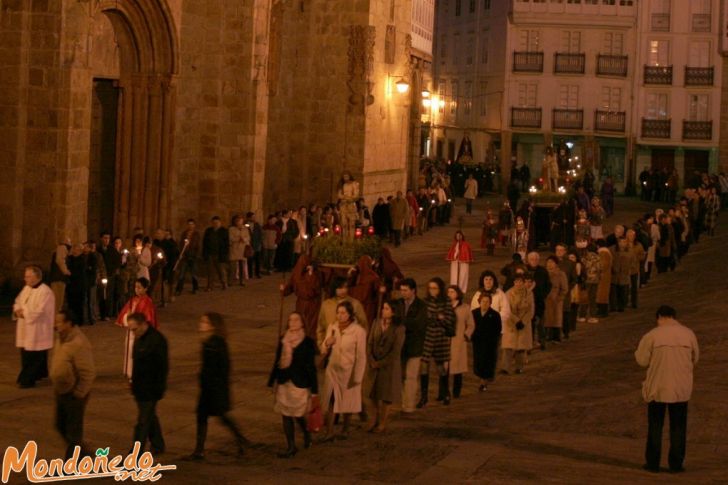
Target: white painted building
[(624, 83)]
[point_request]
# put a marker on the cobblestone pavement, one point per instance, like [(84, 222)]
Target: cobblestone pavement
[(575, 416)]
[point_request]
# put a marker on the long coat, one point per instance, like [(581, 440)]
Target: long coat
[(486, 338), (522, 309), (239, 238), (464, 327), (437, 342), (385, 348), (34, 329), (214, 397), (345, 371), (499, 303), (605, 280), (307, 288), (366, 289), (553, 315), (399, 211), (622, 267)]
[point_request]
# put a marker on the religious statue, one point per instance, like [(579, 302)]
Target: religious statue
[(550, 170), (348, 195), (465, 153)]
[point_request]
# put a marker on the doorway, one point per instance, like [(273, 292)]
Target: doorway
[(102, 159), (696, 161), (663, 159)]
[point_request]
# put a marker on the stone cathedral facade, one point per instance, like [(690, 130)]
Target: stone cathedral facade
[(117, 114)]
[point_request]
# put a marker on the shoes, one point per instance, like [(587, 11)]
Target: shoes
[(27, 385), (581, 319), (650, 469), (593, 320), (482, 388), (289, 453)]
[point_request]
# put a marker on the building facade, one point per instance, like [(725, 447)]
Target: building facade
[(614, 85), (142, 113)]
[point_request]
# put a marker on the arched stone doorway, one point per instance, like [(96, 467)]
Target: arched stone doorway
[(146, 41)]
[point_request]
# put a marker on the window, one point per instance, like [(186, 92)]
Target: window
[(469, 50), (659, 54), (613, 44), (608, 2), (611, 99), (458, 7), (660, 20), (482, 99), (698, 107), (569, 96), (484, 47), (574, 1), (527, 94), (657, 106), (456, 50), (626, 3), (570, 42), (699, 54), (700, 15), (529, 40), (454, 99), (468, 98)]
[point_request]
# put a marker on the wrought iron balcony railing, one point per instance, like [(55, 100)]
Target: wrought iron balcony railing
[(612, 65), (527, 61), (568, 119), (658, 74), (566, 63), (697, 130), (698, 76), (613, 121), (526, 117), (656, 128)]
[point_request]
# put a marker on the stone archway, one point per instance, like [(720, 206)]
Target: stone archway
[(148, 51)]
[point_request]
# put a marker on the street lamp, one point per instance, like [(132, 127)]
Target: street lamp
[(425, 93), (402, 86)]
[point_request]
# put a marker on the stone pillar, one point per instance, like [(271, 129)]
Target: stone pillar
[(723, 140)]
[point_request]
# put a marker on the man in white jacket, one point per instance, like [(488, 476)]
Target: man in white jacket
[(669, 351), (34, 312)]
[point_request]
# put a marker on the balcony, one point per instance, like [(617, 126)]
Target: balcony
[(698, 76), (697, 130), (528, 62), (701, 22), (568, 119), (658, 75), (656, 128), (526, 117), (612, 65), (611, 121), (660, 22), (566, 63)]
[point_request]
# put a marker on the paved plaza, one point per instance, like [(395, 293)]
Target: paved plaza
[(575, 416)]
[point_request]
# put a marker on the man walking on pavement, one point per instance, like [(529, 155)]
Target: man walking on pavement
[(669, 351)]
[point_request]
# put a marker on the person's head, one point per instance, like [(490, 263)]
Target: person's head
[(519, 280), (516, 258), (141, 285), (272, 219), (345, 312), (138, 241), (665, 313), (455, 294), (623, 243), (388, 310), (105, 238), (118, 243), (191, 224), (212, 323), (485, 300), (528, 281), (63, 323), (436, 288), (339, 287), (408, 288), (168, 234), (619, 230), (631, 235), (250, 216), (216, 222), (533, 259), (295, 322), (552, 263), (238, 221), (459, 236), (138, 324), (147, 242), (560, 251), (488, 280), (32, 275)]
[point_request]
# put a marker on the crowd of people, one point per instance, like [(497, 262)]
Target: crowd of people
[(374, 338)]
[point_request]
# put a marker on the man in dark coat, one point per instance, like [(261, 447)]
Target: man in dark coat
[(289, 233), (215, 252), (412, 312), (381, 219), (256, 242), (189, 252), (148, 380), (541, 289), (569, 269), (112, 262)]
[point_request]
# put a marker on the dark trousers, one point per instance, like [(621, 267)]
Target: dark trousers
[(254, 265), (107, 298), (565, 323), (634, 288), (33, 366), (621, 295), (397, 237), (69, 420), (216, 266), (227, 421), (187, 264), (678, 430), (268, 259), (468, 206), (147, 427), (662, 263)]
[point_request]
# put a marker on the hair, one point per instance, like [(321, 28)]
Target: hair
[(190, 221), (409, 283), (35, 269), (137, 317), (215, 218), (146, 240), (105, 233), (485, 273), (462, 236), (349, 309), (69, 316), (249, 214), (144, 282), (459, 292), (217, 322), (336, 283), (441, 287), (666, 311), (601, 243), (517, 258), (519, 276), (554, 259), (136, 238), (485, 294)]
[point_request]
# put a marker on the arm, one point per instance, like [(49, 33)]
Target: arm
[(644, 351), (84, 363), (273, 372), (360, 365), (61, 256), (311, 367), (45, 305), (469, 325), (696, 351)]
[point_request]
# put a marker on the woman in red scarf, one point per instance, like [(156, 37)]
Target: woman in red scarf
[(460, 257), (305, 282), (139, 303)]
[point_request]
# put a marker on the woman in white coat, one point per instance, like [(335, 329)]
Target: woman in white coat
[(499, 302), (345, 348), (239, 237), (464, 326)]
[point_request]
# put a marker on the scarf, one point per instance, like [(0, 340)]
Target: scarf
[(290, 341)]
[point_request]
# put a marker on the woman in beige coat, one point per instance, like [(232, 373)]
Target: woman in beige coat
[(605, 280), (464, 326), (517, 332), (239, 236), (553, 316)]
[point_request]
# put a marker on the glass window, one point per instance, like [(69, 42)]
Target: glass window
[(611, 99), (657, 106), (569, 96), (527, 94), (659, 54), (698, 109), (699, 54)]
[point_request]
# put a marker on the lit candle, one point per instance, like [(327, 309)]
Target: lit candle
[(104, 281), (160, 255)]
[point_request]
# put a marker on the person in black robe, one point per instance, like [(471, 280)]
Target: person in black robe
[(485, 339), (381, 219)]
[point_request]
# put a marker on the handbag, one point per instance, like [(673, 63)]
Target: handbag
[(248, 251), (315, 419)]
